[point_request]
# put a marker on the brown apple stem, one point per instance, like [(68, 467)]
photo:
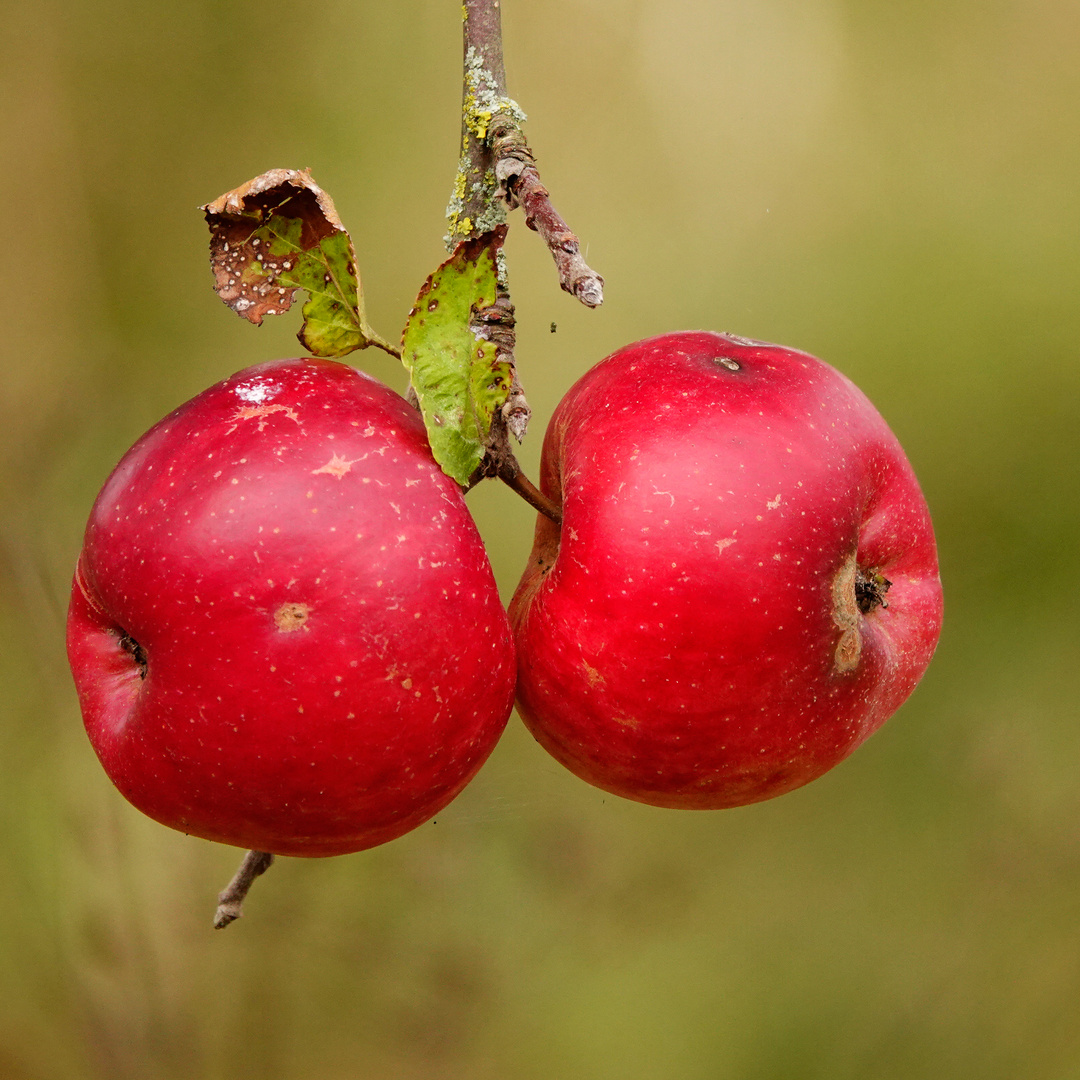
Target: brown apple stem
[(511, 475), (498, 169), (231, 899)]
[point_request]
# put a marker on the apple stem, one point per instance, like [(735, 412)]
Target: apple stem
[(231, 899), (515, 479)]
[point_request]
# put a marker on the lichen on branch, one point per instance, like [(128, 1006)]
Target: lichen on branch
[(497, 170), (476, 205)]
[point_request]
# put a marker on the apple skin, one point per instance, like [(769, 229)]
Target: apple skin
[(322, 661), (693, 636)]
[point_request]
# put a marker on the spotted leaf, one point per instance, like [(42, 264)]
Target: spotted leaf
[(459, 376), (279, 233)]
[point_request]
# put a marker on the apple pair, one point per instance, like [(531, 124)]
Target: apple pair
[(286, 636)]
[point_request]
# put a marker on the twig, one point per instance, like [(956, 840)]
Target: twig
[(496, 324), (515, 169), (498, 169), (475, 206), (231, 899)]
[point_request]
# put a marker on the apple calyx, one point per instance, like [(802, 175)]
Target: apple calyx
[(138, 653), (857, 592), (870, 590)]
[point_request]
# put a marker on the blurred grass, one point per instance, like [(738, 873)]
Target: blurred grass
[(892, 187)]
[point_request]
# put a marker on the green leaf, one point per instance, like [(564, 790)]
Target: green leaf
[(458, 375), (279, 233)]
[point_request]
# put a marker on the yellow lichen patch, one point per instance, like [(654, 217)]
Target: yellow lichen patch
[(291, 616), (846, 617)]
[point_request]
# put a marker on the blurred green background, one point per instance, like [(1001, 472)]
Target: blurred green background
[(892, 186)]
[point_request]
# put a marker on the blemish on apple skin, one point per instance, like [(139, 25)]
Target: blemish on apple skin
[(260, 412), (594, 676), (292, 616), (846, 617), (337, 467)]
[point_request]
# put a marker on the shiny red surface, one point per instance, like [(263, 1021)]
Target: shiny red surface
[(327, 660), (679, 639)]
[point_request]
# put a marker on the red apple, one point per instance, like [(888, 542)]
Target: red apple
[(745, 583), (284, 629)]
